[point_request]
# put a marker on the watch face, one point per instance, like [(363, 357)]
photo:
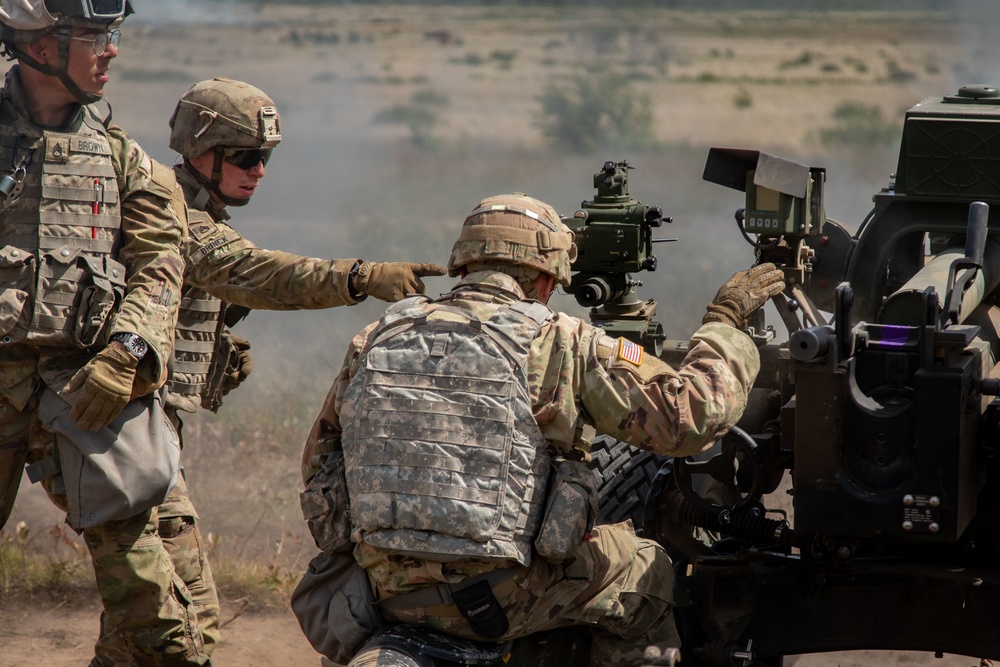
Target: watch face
[(134, 344)]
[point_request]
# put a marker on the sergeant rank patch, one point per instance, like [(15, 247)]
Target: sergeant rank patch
[(629, 351)]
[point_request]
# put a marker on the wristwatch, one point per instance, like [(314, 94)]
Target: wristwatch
[(134, 343)]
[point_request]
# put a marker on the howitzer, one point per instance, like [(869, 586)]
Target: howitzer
[(614, 239), (877, 414), (879, 417)]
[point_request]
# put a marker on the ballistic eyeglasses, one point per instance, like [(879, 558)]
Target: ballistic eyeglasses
[(246, 158), (101, 40)]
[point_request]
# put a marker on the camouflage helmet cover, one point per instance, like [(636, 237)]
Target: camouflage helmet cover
[(29, 20), (515, 229), (223, 112)]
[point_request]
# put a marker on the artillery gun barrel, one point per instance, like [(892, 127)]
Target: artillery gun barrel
[(905, 305)]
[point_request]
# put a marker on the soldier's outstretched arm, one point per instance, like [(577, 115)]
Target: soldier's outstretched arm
[(228, 266)]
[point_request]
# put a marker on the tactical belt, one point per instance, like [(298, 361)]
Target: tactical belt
[(475, 599)]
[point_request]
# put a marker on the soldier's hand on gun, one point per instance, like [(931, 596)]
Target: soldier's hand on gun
[(740, 296), (392, 281), (106, 383)]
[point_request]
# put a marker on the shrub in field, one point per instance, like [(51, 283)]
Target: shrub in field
[(594, 111), (419, 116), (858, 125), (743, 99)]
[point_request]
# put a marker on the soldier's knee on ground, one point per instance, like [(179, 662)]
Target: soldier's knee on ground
[(646, 597)]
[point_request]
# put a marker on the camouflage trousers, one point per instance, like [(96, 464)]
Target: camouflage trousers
[(617, 584), (144, 597), (181, 537)]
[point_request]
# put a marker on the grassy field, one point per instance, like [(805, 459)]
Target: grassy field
[(398, 119)]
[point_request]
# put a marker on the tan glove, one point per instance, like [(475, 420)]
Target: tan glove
[(240, 367), (392, 281), (740, 297), (107, 387)]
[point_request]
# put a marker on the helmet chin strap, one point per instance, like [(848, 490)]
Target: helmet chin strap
[(62, 34), (212, 184)]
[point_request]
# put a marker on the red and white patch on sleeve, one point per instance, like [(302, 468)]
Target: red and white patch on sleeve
[(629, 351)]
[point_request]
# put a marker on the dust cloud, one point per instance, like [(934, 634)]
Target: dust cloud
[(341, 185)]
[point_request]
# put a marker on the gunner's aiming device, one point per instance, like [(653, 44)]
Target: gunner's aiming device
[(614, 239)]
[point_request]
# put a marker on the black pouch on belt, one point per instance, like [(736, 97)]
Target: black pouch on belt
[(481, 609)]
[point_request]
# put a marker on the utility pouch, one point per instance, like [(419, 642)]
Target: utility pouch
[(335, 606), (569, 512), (224, 355), (100, 298), (119, 470), (480, 607), (325, 505), (17, 275)]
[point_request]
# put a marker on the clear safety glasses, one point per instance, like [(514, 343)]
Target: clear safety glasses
[(101, 40)]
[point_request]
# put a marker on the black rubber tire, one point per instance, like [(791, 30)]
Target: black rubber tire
[(624, 475)]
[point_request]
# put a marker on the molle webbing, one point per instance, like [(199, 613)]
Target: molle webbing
[(58, 234), (443, 454), (199, 323)]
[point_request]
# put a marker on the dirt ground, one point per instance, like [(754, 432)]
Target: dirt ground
[(743, 79), (62, 634)]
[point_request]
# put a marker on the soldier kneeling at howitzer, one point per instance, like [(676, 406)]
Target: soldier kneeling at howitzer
[(446, 478), (225, 131)]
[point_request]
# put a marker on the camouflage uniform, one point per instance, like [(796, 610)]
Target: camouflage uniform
[(222, 264), (618, 584), (225, 276), (140, 590)]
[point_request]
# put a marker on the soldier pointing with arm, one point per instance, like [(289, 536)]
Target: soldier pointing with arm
[(225, 131), (453, 434)]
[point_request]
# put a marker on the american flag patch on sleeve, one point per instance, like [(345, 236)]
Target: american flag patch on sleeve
[(629, 351)]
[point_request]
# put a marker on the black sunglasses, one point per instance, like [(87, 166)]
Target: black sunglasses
[(246, 158)]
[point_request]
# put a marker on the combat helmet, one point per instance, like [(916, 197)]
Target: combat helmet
[(27, 21), (514, 229), (224, 116)]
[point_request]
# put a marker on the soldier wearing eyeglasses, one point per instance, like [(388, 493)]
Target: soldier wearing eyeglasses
[(90, 276)]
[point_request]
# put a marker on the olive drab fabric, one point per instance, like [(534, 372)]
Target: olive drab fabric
[(61, 284), (514, 229), (90, 190), (64, 279), (443, 456), (223, 112)]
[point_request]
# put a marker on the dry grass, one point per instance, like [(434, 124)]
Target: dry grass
[(344, 186)]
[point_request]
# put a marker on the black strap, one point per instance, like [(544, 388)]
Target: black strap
[(482, 610)]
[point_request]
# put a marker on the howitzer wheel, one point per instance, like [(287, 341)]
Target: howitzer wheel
[(624, 476)]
